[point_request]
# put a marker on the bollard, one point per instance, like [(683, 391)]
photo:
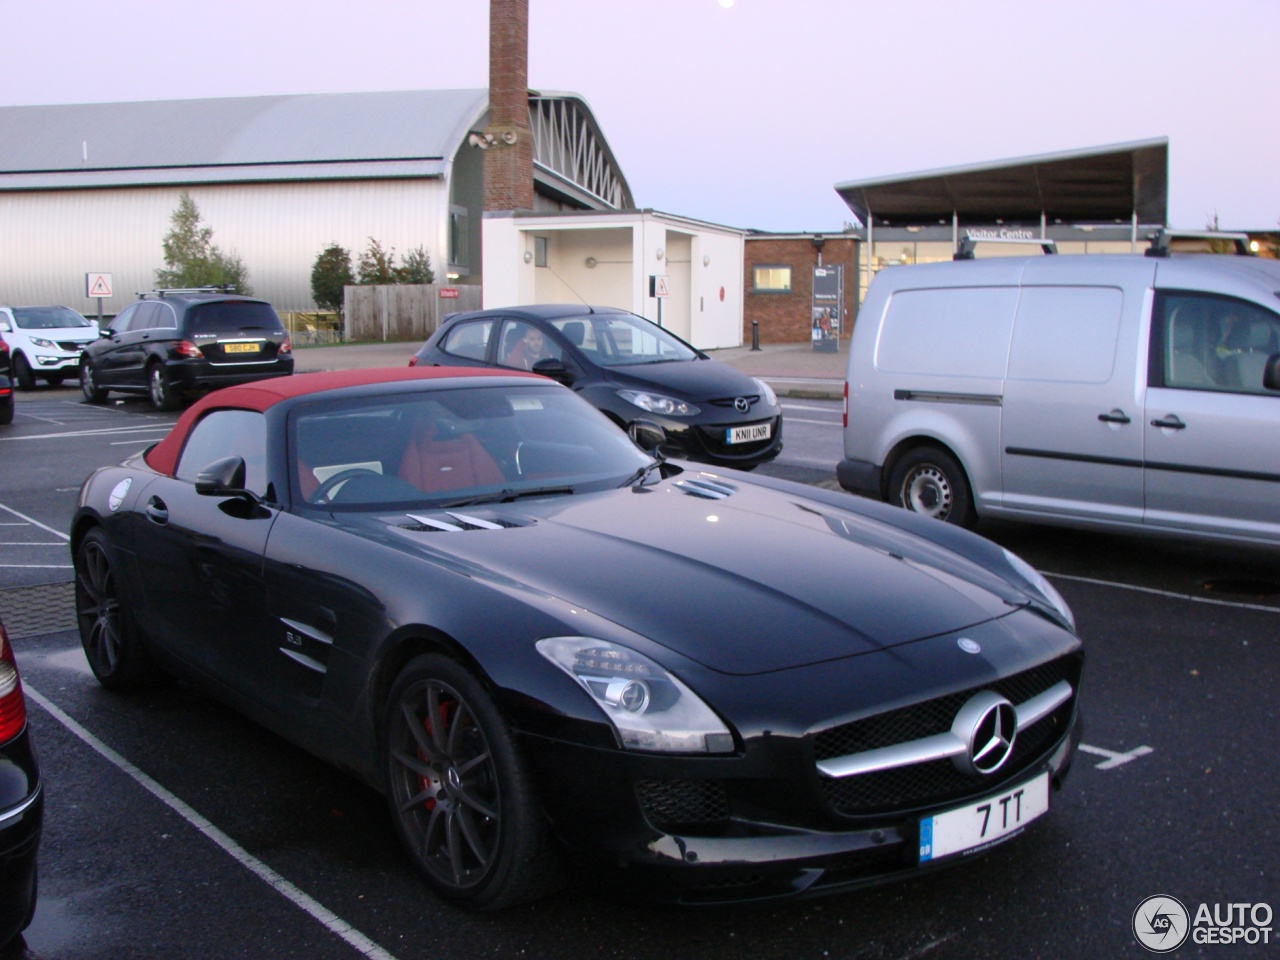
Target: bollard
[(755, 335)]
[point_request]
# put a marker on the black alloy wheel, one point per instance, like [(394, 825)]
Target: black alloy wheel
[(929, 481), (23, 373), (88, 385), (163, 396), (112, 644), (460, 796)]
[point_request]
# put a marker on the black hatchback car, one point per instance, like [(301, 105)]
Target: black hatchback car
[(21, 803), (177, 343), (644, 378)]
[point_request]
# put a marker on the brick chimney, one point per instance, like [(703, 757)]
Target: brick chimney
[(508, 161)]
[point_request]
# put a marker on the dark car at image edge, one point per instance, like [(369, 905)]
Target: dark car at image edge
[(172, 345), (556, 654), (6, 385), (21, 802), (648, 381)]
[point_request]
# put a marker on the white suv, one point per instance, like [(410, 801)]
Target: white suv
[(45, 342)]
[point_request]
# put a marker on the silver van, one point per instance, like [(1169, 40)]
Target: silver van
[(1126, 392)]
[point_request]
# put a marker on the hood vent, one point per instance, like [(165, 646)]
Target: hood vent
[(451, 522), (706, 489)]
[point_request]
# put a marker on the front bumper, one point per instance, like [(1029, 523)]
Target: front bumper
[(64, 363), (858, 476), (705, 442), (770, 839)]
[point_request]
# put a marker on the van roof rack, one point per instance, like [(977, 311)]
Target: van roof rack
[(967, 245), (178, 291), (1166, 242)]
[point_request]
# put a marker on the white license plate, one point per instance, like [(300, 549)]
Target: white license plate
[(982, 824), (757, 431)]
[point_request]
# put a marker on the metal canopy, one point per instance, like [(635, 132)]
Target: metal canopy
[(1098, 185)]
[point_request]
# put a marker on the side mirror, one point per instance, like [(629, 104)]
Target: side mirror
[(223, 478), (554, 368), (1271, 373), (647, 436)]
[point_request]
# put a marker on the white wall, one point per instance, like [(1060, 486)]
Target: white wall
[(700, 261), (50, 239)]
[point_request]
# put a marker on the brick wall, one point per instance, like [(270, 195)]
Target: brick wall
[(788, 317)]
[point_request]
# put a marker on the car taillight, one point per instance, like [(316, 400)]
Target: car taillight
[(285, 347), (13, 708), (413, 361), (846, 404), (188, 349)]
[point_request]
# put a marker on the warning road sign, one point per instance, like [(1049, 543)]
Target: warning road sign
[(658, 286), (97, 285)]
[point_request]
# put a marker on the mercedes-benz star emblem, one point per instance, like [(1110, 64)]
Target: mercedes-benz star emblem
[(988, 725), (741, 404)]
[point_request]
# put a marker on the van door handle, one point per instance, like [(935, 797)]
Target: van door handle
[(1115, 416), (1170, 422)]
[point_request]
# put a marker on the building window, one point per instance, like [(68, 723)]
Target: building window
[(774, 279)]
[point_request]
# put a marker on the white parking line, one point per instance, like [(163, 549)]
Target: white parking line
[(36, 566), (37, 523), (104, 431), (822, 423), (1114, 759), (801, 406), (327, 918), (1212, 601)]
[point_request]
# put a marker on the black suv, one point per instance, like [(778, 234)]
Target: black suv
[(176, 343)]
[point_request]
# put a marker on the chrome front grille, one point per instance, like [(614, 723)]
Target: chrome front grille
[(1049, 691)]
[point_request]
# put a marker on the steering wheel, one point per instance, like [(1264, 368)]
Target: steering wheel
[(322, 492)]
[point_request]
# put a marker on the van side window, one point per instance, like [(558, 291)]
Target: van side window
[(1207, 342), (1066, 334)]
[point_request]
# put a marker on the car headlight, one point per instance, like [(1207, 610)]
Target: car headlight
[(1043, 586), (656, 403), (41, 342), (650, 709), (766, 392)]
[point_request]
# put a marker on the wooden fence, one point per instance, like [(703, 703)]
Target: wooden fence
[(401, 311)]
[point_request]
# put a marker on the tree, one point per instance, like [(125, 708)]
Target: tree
[(416, 267), (376, 265), (330, 273), (191, 259)]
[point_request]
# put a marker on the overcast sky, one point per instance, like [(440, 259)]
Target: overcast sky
[(742, 112)]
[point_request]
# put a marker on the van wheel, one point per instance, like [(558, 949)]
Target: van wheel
[(929, 481)]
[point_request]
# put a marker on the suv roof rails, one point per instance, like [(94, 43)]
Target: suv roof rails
[(968, 244), (1165, 242), (178, 291)]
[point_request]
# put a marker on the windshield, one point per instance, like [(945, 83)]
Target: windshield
[(435, 447), (48, 318), (616, 340)]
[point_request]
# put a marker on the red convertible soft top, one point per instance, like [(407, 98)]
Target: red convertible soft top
[(163, 457)]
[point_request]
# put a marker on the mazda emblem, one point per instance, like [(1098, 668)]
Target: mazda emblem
[(988, 726), (742, 404)]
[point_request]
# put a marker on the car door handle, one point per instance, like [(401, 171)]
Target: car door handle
[(1115, 416), (1169, 423), (157, 510)]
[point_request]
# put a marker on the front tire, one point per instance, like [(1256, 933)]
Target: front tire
[(88, 386), (23, 373), (459, 793), (930, 482), (112, 643), (160, 388)]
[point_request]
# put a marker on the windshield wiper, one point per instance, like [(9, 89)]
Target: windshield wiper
[(507, 496), (638, 478)]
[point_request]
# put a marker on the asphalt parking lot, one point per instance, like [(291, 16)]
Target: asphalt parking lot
[(174, 828)]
